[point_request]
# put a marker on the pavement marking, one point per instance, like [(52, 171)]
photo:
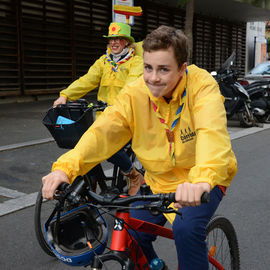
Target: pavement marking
[(10, 193), (17, 204), (21, 200), (25, 144)]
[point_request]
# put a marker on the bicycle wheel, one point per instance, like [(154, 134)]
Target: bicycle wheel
[(222, 244), (43, 209)]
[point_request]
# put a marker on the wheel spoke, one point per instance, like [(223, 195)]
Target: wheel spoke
[(222, 244)]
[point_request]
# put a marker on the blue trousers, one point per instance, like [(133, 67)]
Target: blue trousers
[(189, 232), (122, 160)]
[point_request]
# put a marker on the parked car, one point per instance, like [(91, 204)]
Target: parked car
[(259, 73)]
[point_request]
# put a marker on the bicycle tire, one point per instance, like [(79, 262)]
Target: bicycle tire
[(39, 223), (220, 233)]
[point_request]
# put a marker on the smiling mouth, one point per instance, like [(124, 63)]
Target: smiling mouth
[(155, 85)]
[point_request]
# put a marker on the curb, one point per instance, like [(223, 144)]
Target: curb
[(248, 131), (25, 144)]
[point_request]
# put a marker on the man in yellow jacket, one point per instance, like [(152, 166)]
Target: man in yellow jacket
[(111, 72), (176, 119)]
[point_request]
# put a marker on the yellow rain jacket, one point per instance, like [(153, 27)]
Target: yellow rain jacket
[(139, 48), (203, 150), (110, 83)]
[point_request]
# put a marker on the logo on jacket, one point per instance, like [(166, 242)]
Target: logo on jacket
[(187, 135)]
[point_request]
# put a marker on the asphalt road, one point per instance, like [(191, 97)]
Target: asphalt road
[(246, 203)]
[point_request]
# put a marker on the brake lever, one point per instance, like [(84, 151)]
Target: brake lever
[(170, 210), (157, 208), (62, 192)]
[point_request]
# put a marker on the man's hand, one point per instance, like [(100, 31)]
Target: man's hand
[(60, 100), (51, 182), (188, 194)]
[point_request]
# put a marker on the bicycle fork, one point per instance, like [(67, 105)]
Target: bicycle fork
[(124, 248), (120, 257)]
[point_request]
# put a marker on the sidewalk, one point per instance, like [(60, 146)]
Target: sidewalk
[(21, 124)]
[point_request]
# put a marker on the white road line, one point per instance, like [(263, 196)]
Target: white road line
[(10, 193), (20, 200), (13, 205)]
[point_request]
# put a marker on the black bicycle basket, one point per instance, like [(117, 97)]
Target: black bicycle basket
[(67, 135)]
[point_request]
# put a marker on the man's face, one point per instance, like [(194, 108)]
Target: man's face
[(161, 72), (117, 44)]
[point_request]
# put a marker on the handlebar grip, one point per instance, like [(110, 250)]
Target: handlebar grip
[(62, 186), (172, 197), (205, 198), (70, 192)]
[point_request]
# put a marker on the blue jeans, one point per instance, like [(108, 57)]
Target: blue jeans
[(189, 232), (122, 160)]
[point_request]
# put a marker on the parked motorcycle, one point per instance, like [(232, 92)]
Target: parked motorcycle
[(259, 93), (237, 99)]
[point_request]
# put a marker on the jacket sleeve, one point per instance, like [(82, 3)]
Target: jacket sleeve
[(135, 70), (109, 133), (215, 161), (86, 83)]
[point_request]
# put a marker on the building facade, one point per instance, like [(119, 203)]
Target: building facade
[(46, 44)]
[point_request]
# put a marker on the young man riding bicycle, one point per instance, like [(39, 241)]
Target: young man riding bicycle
[(176, 119)]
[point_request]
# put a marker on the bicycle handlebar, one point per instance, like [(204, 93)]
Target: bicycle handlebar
[(111, 199), (122, 201), (83, 103)]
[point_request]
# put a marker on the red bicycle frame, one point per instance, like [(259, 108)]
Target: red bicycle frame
[(122, 240)]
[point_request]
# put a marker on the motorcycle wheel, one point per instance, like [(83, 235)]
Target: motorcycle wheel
[(262, 119), (245, 119)]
